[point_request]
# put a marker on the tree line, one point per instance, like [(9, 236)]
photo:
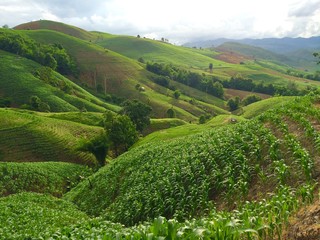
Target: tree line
[(214, 86), (53, 56), (167, 72)]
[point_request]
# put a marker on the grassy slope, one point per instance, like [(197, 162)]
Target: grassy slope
[(53, 178), (181, 176), (258, 108), (198, 60), (87, 118), (151, 50), (57, 26), (18, 83), (47, 214), (171, 133), (25, 136), (116, 74)]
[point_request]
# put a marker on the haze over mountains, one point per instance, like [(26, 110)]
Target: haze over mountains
[(295, 52)]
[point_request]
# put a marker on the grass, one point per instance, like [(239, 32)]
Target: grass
[(55, 178), (164, 123), (117, 74), (185, 130), (33, 138), (57, 26), (26, 215), (257, 108), (182, 177), (87, 118), (156, 51), (18, 83)]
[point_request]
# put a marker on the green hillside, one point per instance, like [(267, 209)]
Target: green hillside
[(119, 75), (19, 83), (229, 182), (228, 60), (252, 174), (57, 26), (224, 167), (28, 137), (157, 51), (55, 178)]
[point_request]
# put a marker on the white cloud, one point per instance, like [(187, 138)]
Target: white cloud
[(177, 20)]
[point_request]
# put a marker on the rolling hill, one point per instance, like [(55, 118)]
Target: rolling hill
[(118, 75), (296, 52), (29, 137), (243, 176), (19, 83)]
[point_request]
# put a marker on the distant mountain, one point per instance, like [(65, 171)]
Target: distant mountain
[(296, 52), (278, 45)]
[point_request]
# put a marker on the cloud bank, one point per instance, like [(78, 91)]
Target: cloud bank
[(177, 20)]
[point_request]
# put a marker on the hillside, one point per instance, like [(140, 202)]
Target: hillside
[(28, 137), (111, 73), (226, 182), (198, 170), (296, 52), (158, 51), (19, 83), (56, 26)]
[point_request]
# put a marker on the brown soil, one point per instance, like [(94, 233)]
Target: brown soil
[(305, 225), (232, 57)]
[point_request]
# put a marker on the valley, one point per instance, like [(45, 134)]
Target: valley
[(107, 136)]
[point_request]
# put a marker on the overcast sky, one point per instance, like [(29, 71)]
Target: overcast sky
[(177, 20)]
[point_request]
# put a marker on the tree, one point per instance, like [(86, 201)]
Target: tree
[(210, 67), (317, 55), (251, 99), (176, 94), (98, 146), (122, 133), (233, 103), (138, 112), (35, 102), (171, 113)]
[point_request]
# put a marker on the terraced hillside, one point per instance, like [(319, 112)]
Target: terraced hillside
[(223, 167), (27, 137), (241, 181), (112, 73), (19, 83)]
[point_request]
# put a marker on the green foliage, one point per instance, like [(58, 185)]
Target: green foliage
[(176, 94), (98, 146), (250, 99), (55, 178), (204, 118), (233, 103), (122, 133), (208, 84), (171, 113), (20, 79), (138, 112), (179, 178), (37, 105), (5, 102), (53, 56), (29, 136), (29, 215)]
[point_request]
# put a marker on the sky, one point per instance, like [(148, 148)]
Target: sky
[(179, 21)]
